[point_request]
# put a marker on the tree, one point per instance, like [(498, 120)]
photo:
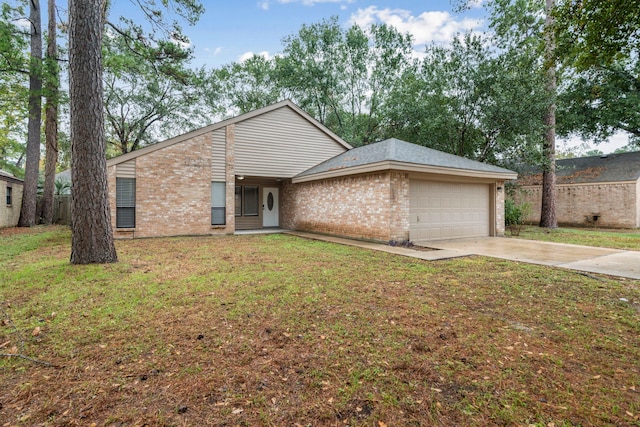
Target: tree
[(150, 90), (140, 99), (603, 100), (343, 77), (32, 165), (595, 33), (462, 101), (92, 234), (14, 92), (91, 230), (548, 217), (248, 85), (52, 84), (528, 27)]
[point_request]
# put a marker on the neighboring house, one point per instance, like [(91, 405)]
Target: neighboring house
[(597, 191), (10, 199), (278, 167)]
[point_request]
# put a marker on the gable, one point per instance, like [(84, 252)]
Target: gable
[(271, 138), (281, 143)]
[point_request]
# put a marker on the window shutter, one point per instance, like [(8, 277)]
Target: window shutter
[(218, 203), (125, 202)]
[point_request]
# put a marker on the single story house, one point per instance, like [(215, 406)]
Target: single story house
[(10, 199), (279, 167), (596, 191)]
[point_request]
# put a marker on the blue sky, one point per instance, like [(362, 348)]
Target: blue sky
[(231, 30)]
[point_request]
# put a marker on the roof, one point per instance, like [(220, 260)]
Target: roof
[(397, 154), (9, 177), (620, 167), (246, 116)]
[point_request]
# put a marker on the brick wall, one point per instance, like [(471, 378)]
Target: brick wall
[(372, 206), (173, 192), (9, 215), (616, 204)]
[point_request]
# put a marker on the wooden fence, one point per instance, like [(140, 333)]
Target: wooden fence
[(62, 209)]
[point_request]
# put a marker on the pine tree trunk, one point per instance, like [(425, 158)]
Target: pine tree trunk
[(32, 165), (548, 214), (51, 118), (91, 231)]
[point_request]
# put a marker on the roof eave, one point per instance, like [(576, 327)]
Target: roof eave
[(408, 167)]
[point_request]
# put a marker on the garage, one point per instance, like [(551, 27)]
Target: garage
[(448, 210), (394, 190)]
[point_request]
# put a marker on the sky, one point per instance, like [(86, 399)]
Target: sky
[(233, 30)]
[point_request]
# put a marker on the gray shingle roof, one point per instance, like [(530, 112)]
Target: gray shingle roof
[(400, 151), (582, 170), (8, 176)]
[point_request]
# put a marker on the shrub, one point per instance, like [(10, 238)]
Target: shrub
[(515, 215)]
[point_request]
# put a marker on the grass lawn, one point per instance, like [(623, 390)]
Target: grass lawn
[(603, 238), (276, 330)]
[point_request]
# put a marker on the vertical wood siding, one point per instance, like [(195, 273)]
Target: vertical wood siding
[(281, 144)]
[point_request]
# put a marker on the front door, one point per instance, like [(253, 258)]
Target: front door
[(270, 216)]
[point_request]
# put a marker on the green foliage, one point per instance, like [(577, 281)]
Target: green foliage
[(248, 85), (603, 100), (596, 33), (344, 77), (14, 65), (515, 215), (150, 90), (461, 102), (62, 186)]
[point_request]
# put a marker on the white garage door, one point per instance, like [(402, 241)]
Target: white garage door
[(442, 210)]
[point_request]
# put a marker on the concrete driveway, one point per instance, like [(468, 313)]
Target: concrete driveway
[(583, 258)]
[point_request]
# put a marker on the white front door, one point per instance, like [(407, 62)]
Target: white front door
[(270, 217)]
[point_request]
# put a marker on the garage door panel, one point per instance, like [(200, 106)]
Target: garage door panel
[(448, 210)]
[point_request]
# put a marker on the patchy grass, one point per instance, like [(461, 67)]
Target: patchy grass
[(276, 330), (603, 238)]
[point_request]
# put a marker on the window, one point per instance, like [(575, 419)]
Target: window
[(251, 201), (238, 200), (218, 203), (9, 201), (247, 200), (125, 202)]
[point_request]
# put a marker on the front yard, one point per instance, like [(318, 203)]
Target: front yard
[(277, 330)]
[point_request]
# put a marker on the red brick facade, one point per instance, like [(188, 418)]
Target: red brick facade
[(173, 192), (371, 206)]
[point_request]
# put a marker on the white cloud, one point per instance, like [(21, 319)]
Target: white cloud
[(264, 5), (216, 51), (248, 55), (428, 27)]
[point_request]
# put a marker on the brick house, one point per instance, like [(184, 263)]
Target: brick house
[(279, 167), (10, 199), (596, 191)]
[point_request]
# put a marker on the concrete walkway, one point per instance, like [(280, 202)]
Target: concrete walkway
[(428, 255), (612, 262)]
